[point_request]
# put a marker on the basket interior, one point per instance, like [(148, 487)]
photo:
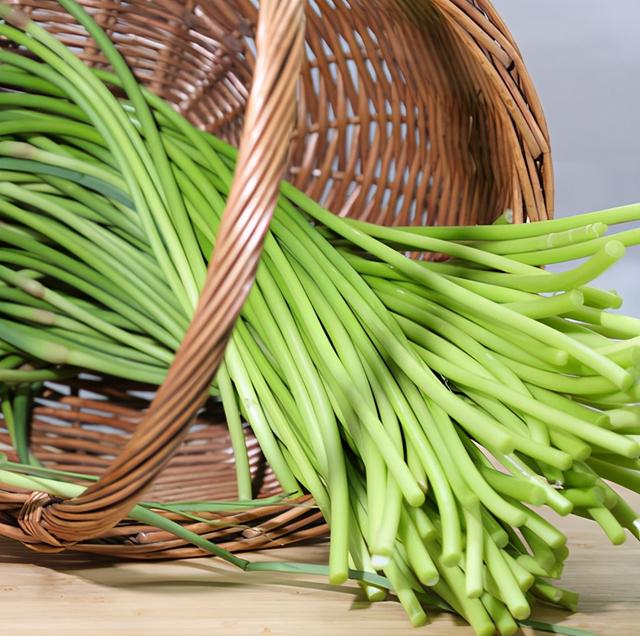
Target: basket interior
[(398, 121), (81, 425)]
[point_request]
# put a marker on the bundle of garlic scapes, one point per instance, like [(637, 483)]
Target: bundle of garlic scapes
[(427, 406)]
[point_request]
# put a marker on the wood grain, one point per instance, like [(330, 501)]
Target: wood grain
[(68, 595)]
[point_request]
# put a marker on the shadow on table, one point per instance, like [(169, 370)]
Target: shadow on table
[(15, 552)]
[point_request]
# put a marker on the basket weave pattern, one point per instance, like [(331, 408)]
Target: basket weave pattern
[(82, 426), (405, 113)]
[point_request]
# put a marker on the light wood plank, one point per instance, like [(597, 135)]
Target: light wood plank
[(69, 595)]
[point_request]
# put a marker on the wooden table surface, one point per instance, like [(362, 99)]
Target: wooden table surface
[(70, 595)]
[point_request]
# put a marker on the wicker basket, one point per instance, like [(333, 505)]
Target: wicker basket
[(395, 111)]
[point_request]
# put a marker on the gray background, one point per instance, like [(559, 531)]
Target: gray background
[(584, 57)]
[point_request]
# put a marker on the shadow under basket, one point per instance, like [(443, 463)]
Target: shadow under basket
[(406, 113)]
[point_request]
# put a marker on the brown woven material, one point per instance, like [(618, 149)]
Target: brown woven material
[(405, 112), (83, 425)]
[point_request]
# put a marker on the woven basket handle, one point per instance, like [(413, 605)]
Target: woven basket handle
[(261, 163)]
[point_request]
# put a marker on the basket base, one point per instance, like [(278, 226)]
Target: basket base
[(82, 424)]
